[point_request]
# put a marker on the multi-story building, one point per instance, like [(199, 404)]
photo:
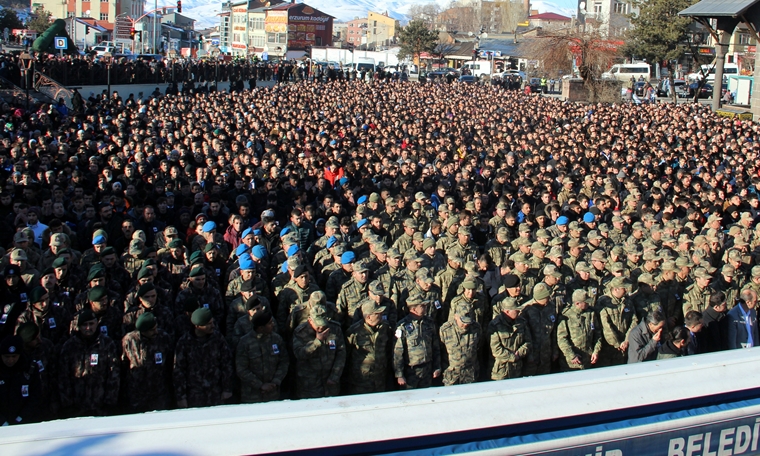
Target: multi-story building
[(106, 10), (356, 31), (381, 29), (239, 28), (257, 36), (608, 17)]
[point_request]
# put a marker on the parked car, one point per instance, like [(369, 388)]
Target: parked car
[(705, 92), (468, 79), (535, 85), (679, 87)]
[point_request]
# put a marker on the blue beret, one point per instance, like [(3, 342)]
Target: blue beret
[(362, 200), (241, 249), (293, 249), (246, 232), (343, 181), (347, 258), (331, 241), (284, 267), (588, 217), (257, 232), (99, 240), (562, 220), (285, 231), (361, 223), (246, 263), (209, 227), (259, 251)]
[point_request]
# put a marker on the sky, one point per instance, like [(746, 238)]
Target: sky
[(205, 11)]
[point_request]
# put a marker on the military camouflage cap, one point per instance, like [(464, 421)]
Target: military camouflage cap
[(541, 291), (370, 307), (582, 266), (580, 296)]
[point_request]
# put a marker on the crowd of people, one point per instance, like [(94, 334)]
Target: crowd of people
[(316, 239)]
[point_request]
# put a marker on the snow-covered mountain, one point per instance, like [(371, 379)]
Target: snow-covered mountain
[(205, 11)]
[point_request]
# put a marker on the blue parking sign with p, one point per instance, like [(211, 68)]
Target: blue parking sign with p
[(60, 43)]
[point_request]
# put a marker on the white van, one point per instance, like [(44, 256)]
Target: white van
[(477, 67), (729, 69), (624, 71)]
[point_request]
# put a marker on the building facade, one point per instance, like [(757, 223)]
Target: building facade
[(381, 29), (99, 10)]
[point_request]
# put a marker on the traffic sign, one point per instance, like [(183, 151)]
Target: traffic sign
[(61, 42)]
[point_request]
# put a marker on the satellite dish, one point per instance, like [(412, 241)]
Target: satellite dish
[(483, 36), (87, 13), (469, 33), (582, 6)]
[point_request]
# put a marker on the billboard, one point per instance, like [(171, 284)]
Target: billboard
[(308, 27)]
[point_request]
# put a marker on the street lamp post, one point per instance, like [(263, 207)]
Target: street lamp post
[(26, 61), (107, 57)]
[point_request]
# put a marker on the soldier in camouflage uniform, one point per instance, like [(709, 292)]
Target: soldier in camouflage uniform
[(53, 322), (522, 270), (42, 352), (261, 360), (207, 297), (148, 298), (432, 259), (296, 292), (448, 281), (320, 353), (584, 281), (340, 276), (426, 290), (645, 300), (698, 294), (510, 341), (461, 339), (369, 344), (579, 335), (147, 360), (618, 318), (541, 320), (417, 350), (725, 282), (203, 367), (499, 248), (88, 370), (247, 268), (404, 242), (353, 292)]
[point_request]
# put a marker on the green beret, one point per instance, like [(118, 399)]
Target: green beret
[(196, 257), (36, 294), (175, 244), (197, 271), (149, 262), (209, 247), (96, 272), (143, 273), (28, 331), (145, 288), (59, 262), (108, 251), (48, 271), (146, 322), (201, 316), (97, 293)]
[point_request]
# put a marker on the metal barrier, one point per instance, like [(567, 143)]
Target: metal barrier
[(51, 88)]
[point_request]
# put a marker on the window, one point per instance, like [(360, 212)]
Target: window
[(744, 38), (597, 8), (71, 14), (621, 8), (103, 16)]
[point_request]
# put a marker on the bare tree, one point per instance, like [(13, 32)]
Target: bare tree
[(593, 52), (511, 14), (427, 13)]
